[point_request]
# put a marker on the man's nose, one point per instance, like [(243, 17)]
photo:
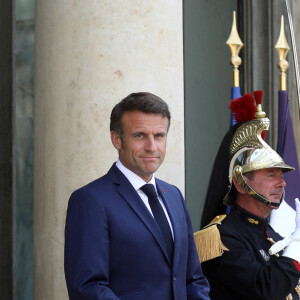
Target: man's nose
[(282, 182), (150, 144)]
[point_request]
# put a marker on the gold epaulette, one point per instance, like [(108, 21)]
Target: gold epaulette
[(208, 240)]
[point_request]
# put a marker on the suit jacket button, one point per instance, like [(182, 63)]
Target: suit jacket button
[(174, 278)]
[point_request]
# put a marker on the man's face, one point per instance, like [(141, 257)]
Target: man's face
[(269, 183), (144, 142)]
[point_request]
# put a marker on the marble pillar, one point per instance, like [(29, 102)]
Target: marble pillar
[(23, 132), (89, 55)]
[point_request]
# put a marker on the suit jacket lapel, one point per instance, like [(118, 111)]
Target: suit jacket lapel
[(129, 194)]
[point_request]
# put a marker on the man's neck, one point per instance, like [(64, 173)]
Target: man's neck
[(133, 178), (253, 206)]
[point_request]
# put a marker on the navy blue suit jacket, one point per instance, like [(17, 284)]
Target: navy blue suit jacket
[(115, 250)]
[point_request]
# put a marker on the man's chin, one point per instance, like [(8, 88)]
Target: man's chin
[(277, 201), (147, 171), (150, 167), (274, 207)]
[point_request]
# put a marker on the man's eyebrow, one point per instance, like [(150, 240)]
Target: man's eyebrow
[(270, 171)]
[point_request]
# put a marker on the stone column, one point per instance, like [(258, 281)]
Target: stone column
[(7, 161), (90, 55)]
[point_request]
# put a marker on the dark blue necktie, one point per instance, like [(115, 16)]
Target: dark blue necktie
[(159, 216)]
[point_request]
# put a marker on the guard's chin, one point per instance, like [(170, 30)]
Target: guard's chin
[(277, 202), (275, 207)]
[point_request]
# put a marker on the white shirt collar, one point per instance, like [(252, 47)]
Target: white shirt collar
[(136, 181)]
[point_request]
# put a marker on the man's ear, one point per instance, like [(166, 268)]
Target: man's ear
[(238, 187), (116, 140)]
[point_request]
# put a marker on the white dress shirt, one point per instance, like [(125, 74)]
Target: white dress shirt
[(137, 182)]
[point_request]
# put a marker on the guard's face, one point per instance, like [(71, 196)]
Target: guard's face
[(269, 183), (144, 142)]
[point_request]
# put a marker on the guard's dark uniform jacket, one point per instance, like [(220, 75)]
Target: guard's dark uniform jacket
[(247, 271)]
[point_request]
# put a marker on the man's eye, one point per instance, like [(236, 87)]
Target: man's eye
[(138, 136)]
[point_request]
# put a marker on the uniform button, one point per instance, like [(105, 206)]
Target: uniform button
[(174, 278)]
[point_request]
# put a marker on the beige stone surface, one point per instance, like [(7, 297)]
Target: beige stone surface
[(90, 55)]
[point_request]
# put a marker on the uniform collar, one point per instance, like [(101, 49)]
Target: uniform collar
[(251, 219)]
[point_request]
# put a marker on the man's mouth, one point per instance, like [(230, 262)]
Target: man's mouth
[(277, 195), (149, 157)]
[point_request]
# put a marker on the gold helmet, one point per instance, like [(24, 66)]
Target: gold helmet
[(249, 152)]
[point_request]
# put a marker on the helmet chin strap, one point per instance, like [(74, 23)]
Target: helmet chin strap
[(248, 189)]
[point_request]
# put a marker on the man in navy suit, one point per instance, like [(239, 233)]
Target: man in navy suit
[(128, 234)]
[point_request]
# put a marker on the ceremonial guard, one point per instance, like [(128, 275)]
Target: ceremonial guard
[(246, 184)]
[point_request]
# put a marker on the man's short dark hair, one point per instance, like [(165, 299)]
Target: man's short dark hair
[(144, 102)]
